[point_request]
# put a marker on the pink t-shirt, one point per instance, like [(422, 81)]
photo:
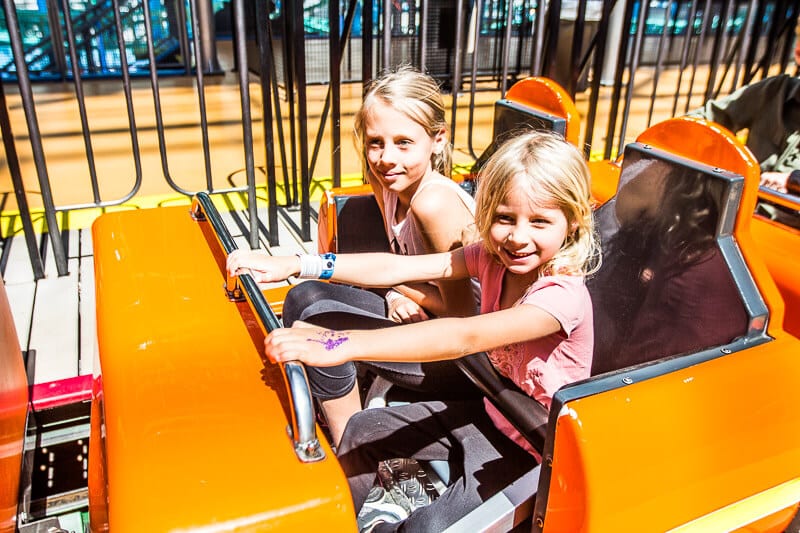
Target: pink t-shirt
[(540, 366)]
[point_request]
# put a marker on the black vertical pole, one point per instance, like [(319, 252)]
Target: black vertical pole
[(366, 42), (19, 188), (334, 61), (26, 93), (302, 118), (265, 47), (247, 124)]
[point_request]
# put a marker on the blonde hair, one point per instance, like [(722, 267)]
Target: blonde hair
[(417, 96), (554, 169)]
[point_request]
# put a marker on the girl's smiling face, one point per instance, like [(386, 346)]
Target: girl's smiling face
[(527, 230), (397, 149)]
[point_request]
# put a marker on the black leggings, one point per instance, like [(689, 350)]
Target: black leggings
[(339, 307)]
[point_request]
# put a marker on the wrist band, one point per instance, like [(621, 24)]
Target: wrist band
[(316, 266), (328, 262)]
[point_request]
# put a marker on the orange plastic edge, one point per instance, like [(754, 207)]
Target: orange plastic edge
[(13, 413)]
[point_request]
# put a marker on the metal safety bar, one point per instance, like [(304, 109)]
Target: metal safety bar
[(302, 429)]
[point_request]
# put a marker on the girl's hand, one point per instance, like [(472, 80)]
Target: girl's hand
[(404, 310), (264, 268), (775, 180), (310, 344)]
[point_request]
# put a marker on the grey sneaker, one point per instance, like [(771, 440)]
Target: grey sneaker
[(407, 482), (379, 508)]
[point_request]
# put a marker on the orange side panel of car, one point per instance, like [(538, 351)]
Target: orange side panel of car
[(549, 96), (622, 472), (780, 246), (13, 412), (193, 421)]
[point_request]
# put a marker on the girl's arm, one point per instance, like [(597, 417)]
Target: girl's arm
[(366, 270), (442, 218), (432, 340)]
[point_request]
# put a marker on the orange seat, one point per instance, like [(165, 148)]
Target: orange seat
[(546, 95)]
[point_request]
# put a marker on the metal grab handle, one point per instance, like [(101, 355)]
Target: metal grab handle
[(302, 429)]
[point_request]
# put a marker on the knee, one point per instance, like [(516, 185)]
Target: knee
[(332, 382), (300, 297), (359, 430)]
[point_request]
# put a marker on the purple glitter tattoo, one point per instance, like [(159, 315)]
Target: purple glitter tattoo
[(330, 340)]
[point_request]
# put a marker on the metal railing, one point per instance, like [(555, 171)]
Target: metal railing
[(618, 51), (302, 427)]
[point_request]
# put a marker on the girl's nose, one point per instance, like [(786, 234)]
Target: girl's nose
[(389, 153), (514, 234)]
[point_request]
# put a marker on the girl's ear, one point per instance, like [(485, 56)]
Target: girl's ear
[(439, 141)]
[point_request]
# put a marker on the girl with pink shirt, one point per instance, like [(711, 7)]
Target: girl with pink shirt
[(534, 217)]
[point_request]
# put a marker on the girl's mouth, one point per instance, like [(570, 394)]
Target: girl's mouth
[(517, 255)]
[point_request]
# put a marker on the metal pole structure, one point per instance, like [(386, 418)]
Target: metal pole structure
[(506, 48), (26, 93), (620, 70), (664, 37), (423, 36), (457, 58), (687, 41), (334, 62), (474, 74), (247, 124), (636, 55), (12, 159), (267, 81), (604, 31), (366, 43), (387, 34), (298, 41), (292, 195), (537, 40), (197, 36), (208, 41)]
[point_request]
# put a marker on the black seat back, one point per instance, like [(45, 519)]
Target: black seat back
[(665, 287), (511, 118), (359, 225)]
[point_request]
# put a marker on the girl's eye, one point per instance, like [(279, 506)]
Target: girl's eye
[(540, 222), (504, 219), (404, 142)]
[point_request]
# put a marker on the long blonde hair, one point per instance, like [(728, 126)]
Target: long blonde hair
[(417, 96), (556, 170)]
